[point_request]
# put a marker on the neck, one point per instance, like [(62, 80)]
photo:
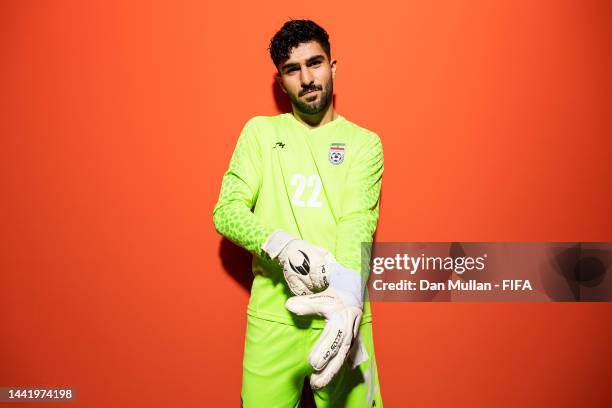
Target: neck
[(317, 119)]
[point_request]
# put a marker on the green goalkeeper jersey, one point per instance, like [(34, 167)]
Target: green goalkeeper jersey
[(321, 185)]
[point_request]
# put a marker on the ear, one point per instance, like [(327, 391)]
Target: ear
[(333, 68), (280, 82)]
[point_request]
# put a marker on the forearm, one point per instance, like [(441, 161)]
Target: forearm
[(235, 221), (232, 214), (353, 231)]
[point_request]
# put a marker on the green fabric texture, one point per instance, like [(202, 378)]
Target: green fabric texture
[(321, 185), (273, 377)]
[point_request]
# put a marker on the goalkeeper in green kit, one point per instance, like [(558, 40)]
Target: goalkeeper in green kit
[(301, 194)]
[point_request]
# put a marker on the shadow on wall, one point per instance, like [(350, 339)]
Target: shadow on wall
[(283, 105), (237, 263)]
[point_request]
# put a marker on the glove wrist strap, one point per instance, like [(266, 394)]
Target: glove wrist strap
[(347, 283), (276, 242)]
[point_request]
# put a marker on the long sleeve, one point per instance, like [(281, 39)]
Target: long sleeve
[(360, 203), (240, 187)]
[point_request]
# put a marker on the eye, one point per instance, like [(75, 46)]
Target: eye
[(315, 63)]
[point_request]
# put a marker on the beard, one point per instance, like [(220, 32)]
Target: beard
[(310, 108)]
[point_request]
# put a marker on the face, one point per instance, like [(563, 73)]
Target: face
[(307, 78)]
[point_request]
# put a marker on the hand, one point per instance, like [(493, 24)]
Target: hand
[(305, 266), (342, 307)]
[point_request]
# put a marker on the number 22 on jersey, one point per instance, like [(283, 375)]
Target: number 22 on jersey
[(307, 188)]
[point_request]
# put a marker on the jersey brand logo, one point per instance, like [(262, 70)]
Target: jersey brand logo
[(336, 153), (279, 144)]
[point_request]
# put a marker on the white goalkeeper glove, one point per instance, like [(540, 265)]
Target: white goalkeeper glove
[(305, 266), (342, 307)]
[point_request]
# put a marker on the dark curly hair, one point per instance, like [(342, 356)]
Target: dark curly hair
[(294, 33)]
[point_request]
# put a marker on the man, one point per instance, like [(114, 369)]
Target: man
[(312, 180)]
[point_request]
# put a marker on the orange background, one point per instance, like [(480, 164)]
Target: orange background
[(118, 120)]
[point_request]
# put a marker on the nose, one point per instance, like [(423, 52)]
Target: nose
[(306, 77)]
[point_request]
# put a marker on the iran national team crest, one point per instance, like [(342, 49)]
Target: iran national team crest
[(336, 153)]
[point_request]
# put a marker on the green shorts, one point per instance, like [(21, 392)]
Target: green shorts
[(276, 363)]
